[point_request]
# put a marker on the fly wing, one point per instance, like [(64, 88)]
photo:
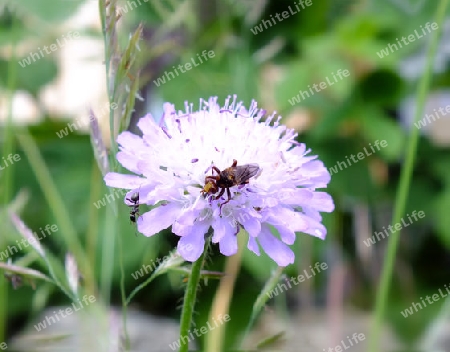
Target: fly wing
[(244, 172)]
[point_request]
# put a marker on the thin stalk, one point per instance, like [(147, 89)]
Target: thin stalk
[(93, 227), (405, 180), (190, 297), (123, 293), (221, 304), (108, 245), (108, 30)]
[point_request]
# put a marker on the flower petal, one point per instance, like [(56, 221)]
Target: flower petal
[(315, 228), (286, 234), (160, 218), (228, 244), (192, 244), (129, 161), (298, 196), (251, 224), (289, 218), (224, 227), (129, 141), (322, 201), (274, 248), (253, 245), (116, 180), (148, 125)]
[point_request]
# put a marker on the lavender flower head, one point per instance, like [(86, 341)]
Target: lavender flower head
[(173, 158)]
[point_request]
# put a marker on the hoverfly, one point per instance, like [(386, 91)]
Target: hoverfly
[(231, 176), (135, 206)]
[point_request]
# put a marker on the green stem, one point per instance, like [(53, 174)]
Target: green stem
[(402, 193), (108, 257), (92, 233), (106, 30), (189, 300)]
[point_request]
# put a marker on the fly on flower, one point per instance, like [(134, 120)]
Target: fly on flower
[(231, 176), (168, 164)]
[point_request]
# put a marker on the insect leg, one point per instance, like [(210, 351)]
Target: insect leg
[(221, 193)]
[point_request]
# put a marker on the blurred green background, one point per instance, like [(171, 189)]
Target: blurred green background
[(375, 102)]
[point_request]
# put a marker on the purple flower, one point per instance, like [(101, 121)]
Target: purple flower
[(173, 158)]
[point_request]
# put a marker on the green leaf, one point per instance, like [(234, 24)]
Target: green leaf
[(271, 341), (26, 272), (173, 262)]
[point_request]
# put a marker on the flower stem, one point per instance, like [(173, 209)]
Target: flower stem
[(402, 193), (189, 300)]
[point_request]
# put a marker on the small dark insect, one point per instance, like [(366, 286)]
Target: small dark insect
[(135, 206), (231, 176), (15, 280)]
